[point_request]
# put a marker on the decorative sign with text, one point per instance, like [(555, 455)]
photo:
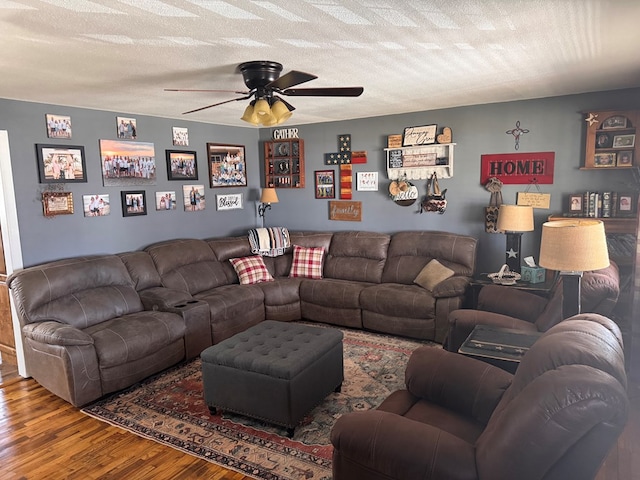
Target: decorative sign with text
[(231, 201), (346, 211), (518, 168)]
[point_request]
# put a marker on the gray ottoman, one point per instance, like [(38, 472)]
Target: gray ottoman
[(273, 371)]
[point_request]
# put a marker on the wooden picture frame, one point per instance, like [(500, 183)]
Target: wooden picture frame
[(61, 163), (227, 165), (624, 159), (607, 159), (325, 183), (134, 203), (423, 135), (616, 121), (57, 203), (58, 126), (624, 141), (181, 165)]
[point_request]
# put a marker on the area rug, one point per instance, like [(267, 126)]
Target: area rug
[(169, 408)]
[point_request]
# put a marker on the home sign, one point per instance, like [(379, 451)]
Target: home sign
[(518, 168)]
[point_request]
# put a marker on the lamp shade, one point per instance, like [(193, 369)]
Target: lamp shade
[(280, 111), (515, 218), (269, 195), (262, 108), (250, 115), (574, 245)]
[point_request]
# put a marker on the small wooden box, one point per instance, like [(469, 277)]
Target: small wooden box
[(394, 141)]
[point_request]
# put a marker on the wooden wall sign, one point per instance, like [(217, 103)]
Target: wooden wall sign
[(345, 211), (518, 168)]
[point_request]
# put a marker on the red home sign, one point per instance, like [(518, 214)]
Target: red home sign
[(520, 168)]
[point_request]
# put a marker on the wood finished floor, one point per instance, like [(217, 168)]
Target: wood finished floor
[(44, 437)]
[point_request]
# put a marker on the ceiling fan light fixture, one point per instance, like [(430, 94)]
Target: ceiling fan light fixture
[(262, 108), (250, 115), (280, 111)]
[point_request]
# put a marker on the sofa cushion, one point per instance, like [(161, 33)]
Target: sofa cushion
[(432, 274), (251, 270), (397, 300), (132, 337), (307, 262), (357, 256)]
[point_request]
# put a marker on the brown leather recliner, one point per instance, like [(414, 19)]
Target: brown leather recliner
[(508, 307), (461, 418)]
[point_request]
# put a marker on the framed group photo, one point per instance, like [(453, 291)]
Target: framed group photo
[(126, 164), (165, 201), (96, 205), (624, 141), (227, 165), (181, 165), (134, 202), (126, 128), (61, 164), (58, 126), (180, 136)]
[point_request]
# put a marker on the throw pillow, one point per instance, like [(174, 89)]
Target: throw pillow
[(307, 262), (432, 274), (251, 270)]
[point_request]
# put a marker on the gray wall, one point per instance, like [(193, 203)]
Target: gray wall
[(554, 124)]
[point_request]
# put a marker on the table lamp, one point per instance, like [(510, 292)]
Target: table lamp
[(513, 220), (572, 247), (267, 197)]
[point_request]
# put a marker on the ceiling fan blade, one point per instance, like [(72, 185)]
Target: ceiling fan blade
[(216, 104), (289, 106), (197, 90), (324, 92), (290, 79)]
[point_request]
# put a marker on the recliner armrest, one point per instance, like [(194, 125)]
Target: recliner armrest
[(451, 287), (377, 444), (509, 301), (465, 385), (163, 299), (56, 333)]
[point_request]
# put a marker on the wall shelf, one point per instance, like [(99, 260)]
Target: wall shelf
[(420, 161), (284, 163)]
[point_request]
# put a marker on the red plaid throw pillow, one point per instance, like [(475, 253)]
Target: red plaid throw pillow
[(307, 262), (251, 269)]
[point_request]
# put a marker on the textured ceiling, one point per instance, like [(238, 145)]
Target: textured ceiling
[(413, 55)]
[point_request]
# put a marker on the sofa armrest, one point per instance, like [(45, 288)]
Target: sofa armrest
[(468, 386), (377, 444), (509, 301), (56, 333), (163, 299), (451, 287)]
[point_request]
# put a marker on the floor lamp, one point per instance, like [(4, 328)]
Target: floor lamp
[(513, 220), (572, 247)]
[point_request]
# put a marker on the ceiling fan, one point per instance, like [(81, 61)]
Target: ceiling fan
[(264, 82)]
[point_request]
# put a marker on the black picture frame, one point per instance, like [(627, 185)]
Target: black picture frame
[(181, 165), (134, 203), (604, 140), (61, 163), (575, 204), (626, 204)]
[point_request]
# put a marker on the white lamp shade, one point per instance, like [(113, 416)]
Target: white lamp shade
[(574, 245), (515, 218), (269, 195)]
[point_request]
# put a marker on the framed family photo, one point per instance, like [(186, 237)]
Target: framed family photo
[(134, 203), (61, 164), (96, 205), (126, 128), (626, 205), (58, 126), (165, 201), (193, 196), (325, 183), (227, 165), (180, 136), (624, 141), (181, 165), (127, 163)]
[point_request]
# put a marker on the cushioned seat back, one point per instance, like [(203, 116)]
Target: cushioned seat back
[(233, 247), (187, 265), (80, 291), (565, 407), (409, 252), (357, 256), (599, 290)]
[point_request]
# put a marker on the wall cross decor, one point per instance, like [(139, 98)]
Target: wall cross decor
[(516, 132)]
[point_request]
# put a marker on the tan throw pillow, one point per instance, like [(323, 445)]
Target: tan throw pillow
[(432, 274)]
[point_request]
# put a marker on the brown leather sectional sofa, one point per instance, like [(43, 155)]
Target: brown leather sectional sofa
[(95, 325)]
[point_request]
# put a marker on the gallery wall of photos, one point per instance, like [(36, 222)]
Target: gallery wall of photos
[(132, 165)]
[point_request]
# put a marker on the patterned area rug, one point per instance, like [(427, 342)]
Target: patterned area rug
[(169, 408)]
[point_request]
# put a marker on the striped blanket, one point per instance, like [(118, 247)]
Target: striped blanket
[(269, 242)]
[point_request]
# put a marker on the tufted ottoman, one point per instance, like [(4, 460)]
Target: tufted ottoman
[(273, 371)]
